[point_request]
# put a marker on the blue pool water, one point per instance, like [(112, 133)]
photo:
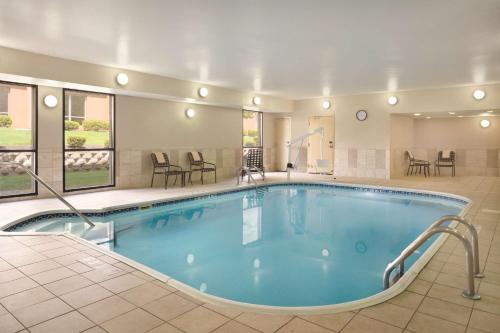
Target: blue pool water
[(294, 245)]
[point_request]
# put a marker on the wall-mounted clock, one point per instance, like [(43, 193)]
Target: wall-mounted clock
[(361, 115)]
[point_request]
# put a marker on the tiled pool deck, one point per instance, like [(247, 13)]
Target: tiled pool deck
[(54, 284)]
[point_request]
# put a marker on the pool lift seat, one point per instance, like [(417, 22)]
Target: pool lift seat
[(471, 248)]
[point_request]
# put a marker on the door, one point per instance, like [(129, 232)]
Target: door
[(316, 163), (283, 132)]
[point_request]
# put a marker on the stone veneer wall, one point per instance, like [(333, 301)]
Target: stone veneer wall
[(361, 162)]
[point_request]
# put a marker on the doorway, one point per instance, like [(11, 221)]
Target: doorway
[(315, 143), (283, 132)]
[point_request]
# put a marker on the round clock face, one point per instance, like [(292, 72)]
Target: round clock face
[(361, 115)]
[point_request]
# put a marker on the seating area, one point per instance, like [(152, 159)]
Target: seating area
[(445, 159)]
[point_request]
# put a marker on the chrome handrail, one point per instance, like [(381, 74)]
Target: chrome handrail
[(54, 192), (469, 291), (474, 238), (238, 175)]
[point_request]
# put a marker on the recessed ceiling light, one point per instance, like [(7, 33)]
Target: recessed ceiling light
[(203, 92), (122, 79), (417, 114), (257, 100), (327, 104), (50, 101), (460, 116), (392, 100), (452, 113), (490, 111), (485, 123), (428, 117), (478, 94), (190, 113)]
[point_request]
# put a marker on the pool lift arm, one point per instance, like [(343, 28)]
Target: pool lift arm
[(290, 165)]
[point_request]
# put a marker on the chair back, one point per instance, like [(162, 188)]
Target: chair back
[(255, 158), (157, 164), (192, 161), (410, 156), (451, 158)]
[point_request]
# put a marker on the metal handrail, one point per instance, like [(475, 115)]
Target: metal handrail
[(54, 192), (469, 291), (474, 238), (238, 175)]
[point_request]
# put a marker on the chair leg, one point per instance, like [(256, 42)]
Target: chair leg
[(175, 180), (439, 171), (166, 182), (408, 171), (215, 175), (152, 178), (201, 177)]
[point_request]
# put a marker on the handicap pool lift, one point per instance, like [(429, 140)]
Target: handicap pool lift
[(319, 163)]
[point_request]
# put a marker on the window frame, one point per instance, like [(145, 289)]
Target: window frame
[(111, 149), (261, 132), (34, 139)]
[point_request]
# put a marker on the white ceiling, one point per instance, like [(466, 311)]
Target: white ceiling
[(289, 48)]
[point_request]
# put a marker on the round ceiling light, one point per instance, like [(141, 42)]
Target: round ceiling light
[(428, 117), (478, 94), (203, 92), (190, 113), (417, 114), (485, 123), (50, 101), (327, 104), (257, 100), (122, 79), (392, 100)]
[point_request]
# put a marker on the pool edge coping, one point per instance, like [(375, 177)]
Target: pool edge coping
[(397, 288)]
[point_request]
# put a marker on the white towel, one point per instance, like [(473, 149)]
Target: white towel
[(446, 153), (160, 158), (196, 156)]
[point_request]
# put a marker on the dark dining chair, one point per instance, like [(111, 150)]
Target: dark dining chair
[(162, 166), (446, 159), (197, 163), (417, 165)]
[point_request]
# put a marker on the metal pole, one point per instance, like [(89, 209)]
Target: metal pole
[(54, 192)]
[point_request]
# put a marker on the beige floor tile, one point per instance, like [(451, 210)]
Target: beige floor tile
[(143, 276), (122, 283), (9, 324), (71, 258), (107, 259), (5, 265), (169, 307), (135, 321), (101, 274), (189, 297), (167, 328), (52, 275), (26, 298), (39, 267), (362, 324), (227, 311), (449, 294), (25, 259), (10, 275), (489, 289), (95, 329), (13, 287), (72, 322), (144, 294), (419, 286), (488, 304), (392, 314), (263, 322), (335, 322), (233, 327), (106, 309), (422, 323), (300, 325), (407, 299), (79, 267), (68, 285), (59, 252), (199, 320), (86, 296), (43, 311), (485, 321), (445, 310), (47, 246)]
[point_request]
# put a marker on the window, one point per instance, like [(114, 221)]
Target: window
[(89, 140), (18, 138), (252, 129)]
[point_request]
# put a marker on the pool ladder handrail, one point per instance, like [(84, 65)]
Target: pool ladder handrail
[(471, 252), (51, 190)]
